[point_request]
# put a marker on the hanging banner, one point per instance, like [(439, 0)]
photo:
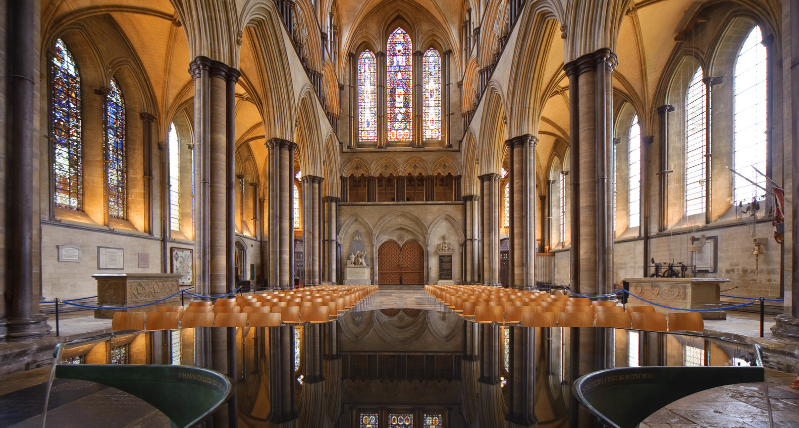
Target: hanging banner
[(779, 215)]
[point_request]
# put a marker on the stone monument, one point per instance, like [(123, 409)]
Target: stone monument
[(445, 253), (357, 272)]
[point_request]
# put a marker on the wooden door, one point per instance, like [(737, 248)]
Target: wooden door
[(400, 265)]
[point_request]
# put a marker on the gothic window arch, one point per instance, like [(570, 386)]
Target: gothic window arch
[(634, 213), (695, 145), (367, 97), (505, 200), (66, 129), (296, 199), (399, 71), (431, 102), (750, 124), (557, 211), (115, 152), (174, 179)]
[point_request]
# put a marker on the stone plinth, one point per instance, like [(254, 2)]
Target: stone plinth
[(688, 293), (131, 289), (357, 275)]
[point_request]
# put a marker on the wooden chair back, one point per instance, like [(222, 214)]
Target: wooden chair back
[(582, 301), (539, 319), (128, 321), (613, 319), (315, 314), (651, 321), (230, 319), (199, 309), (197, 319), (575, 319), (686, 321), (513, 314), (609, 309), (640, 308), (257, 309), (604, 303), (290, 314), (264, 320), (227, 309), (200, 303), (162, 321), (580, 308)]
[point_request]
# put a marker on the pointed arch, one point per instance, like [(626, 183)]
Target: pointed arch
[(356, 165), (415, 165), (493, 132), (385, 165), (445, 165), (309, 137)]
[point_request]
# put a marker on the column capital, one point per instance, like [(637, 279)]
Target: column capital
[(607, 57), (200, 64), (488, 177), (331, 199), (648, 139), (312, 178), (474, 198), (417, 53), (233, 75), (219, 70), (146, 116), (662, 110), (589, 62), (522, 140), (713, 81), (616, 141), (380, 54), (275, 143), (102, 91)]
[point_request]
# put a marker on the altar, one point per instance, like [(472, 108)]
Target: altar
[(687, 293)]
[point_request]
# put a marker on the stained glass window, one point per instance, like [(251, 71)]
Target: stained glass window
[(632, 349), (506, 348), (433, 421), (78, 359), (120, 354), (297, 347), (296, 196), (562, 197), (368, 420), (66, 129), (176, 348), (750, 103), (431, 102), (400, 82), (506, 206), (367, 97), (400, 420), (635, 173), (174, 179), (116, 169), (695, 177)]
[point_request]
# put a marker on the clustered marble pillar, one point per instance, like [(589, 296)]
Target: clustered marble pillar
[(521, 406), (489, 226), (521, 153), (472, 245), (490, 401), (330, 249), (281, 212), (312, 235), (283, 407)]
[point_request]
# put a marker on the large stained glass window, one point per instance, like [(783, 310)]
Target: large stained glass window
[(296, 197), (506, 205), (115, 151), (750, 103), (431, 72), (635, 173), (695, 177), (174, 179), (400, 81), (367, 97), (400, 420), (66, 130)]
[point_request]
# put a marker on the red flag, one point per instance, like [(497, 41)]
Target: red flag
[(779, 215)]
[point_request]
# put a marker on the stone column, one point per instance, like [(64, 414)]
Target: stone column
[(331, 237), (281, 211), (281, 380), (307, 229), (490, 400), (472, 244), (230, 165), (382, 127), (709, 83), (663, 175), (353, 122), (314, 258), (417, 99), (521, 408), (24, 323), (521, 151), (147, 152), (220, 179), (489, 213), (200, 74)]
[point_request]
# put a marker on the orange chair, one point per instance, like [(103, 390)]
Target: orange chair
[(229, 319), (200, 303), (604, 303), (554, 309), (553, 303), (584, 301), (176, 309), (686, 321), (513, 314), (613, 320), (290, 314), (197, 319), (227, 309), (488, 314), (640, 308), (651, 321), (127, 321), (579, 308), (609, 309), (539, 319), (199, 309), (225, 302), (575, 319), (264, 320), (468, 309), (256, 309), (162, 321), (315, 314)]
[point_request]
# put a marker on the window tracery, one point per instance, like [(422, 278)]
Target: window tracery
[(506, 205), (116, 168), (66, 130), (174, 179), (431, 69), (695, 145), (635, 174), (400, 86), (296, 196)]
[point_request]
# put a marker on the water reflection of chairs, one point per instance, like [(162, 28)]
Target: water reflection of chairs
[(128, 321), (575, 319), (686, 321), (539, 319), (197, 319), (488, 314), (162, 321), (613, 320), (640, 308), (651, 321)]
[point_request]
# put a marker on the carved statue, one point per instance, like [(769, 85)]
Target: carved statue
[(360, 259), (445, 246), (351, 260)]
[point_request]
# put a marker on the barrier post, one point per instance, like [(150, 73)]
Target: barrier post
[(57, 332), (762, 315), (181, 298)]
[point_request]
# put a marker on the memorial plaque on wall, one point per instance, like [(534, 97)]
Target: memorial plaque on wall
[(445, 267)]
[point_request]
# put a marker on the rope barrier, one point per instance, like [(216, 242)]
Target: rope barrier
[(81, 298), (69, 301), (593, 297), (752, 298), (691, 310), (121, 307), (211, 297)]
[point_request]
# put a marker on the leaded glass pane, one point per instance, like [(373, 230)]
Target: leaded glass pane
[(695, 143), (297, 347), (635, 173), (296, 207), (367, 97), (400, 420), (174, 179), (116, 169), (562, 197), (751, 95), (368, 420), (432, 421), (400, 81), (431, 102), (694, 357), (506, 206), (66, 130), (120, 354), (506, 348), (176, 348)]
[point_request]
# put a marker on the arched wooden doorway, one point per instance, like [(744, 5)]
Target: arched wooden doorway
[(400, 265)]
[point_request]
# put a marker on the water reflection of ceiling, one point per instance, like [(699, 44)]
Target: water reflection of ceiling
[(401, 331)]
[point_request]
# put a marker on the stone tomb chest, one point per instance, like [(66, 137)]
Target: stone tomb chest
[(131, 289), (687, 293)]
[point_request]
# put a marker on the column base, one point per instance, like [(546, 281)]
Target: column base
[(25, 329), (2, 330), (786, 326)]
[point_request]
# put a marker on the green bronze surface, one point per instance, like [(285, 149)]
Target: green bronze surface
[(625, 397), (184, 394)]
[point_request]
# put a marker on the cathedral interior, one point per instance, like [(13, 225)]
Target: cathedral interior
[(398, 213)]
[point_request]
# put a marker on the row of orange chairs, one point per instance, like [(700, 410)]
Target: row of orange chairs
[(650, 321)]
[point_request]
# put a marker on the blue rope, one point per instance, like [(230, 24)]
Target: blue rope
[(753, 298), (690, 310), (81, 298), (122, 307), (211, 297), (593, 297)]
